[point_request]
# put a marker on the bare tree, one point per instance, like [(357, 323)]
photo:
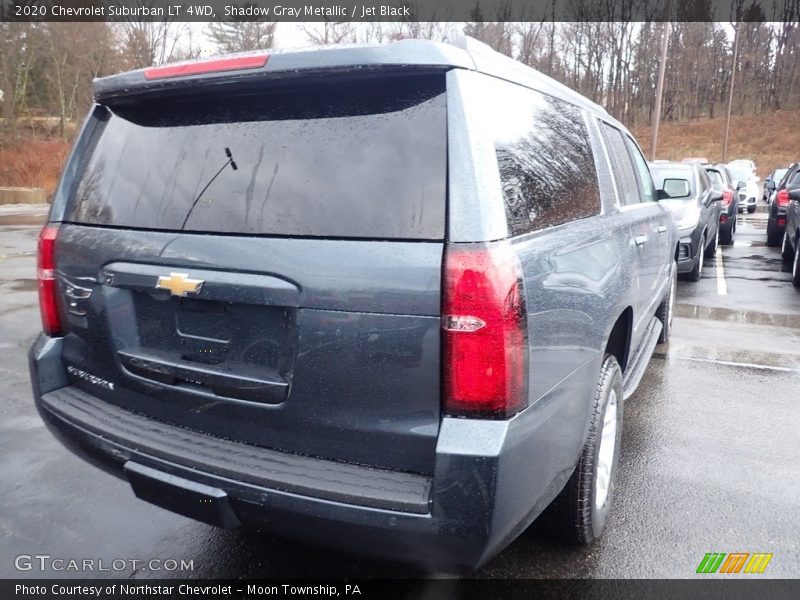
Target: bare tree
[(330, 32), (242, 36)]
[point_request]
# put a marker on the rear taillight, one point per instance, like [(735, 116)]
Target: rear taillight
[(484, 323), (727, 196), (46, 277), (782, 198), (216, 65)]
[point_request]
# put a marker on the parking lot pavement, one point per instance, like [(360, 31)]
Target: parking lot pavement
[(710, 454)]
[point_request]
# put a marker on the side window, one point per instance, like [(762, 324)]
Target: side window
[(646, 189), (546, 164), (623, 168)]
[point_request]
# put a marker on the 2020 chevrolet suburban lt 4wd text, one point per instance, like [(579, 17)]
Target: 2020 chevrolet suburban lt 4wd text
[(390, 298)]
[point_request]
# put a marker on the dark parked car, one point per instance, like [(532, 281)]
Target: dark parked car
[(722, 181), (776, 221), (686, 190), (788, 193), (771, 182), (387, 299)]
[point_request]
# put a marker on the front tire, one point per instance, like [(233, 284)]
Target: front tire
[(712, 247), (580, 511), (751, 209), (667, 307), (694, 274), (796, 266), (726, 233), (786, 250), (773, 236)]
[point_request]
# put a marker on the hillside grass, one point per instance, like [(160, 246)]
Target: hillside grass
[(769, 139), (32, 161)]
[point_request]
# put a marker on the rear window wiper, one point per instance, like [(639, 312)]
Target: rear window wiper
[(230, 162)]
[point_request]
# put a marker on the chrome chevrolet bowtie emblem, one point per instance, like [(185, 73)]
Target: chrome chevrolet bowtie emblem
[(179, 284)]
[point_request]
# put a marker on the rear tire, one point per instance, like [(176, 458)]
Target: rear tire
[(667, 307), (581, 509), (786, 250), (694, 274)]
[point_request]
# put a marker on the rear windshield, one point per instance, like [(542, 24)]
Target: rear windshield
[(677, 183), (716, 179), (361, 159), (740, 171)]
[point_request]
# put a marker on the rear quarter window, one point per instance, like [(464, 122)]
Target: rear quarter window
[(361, 158), (546, 165)]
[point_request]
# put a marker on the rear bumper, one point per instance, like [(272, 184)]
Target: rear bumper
[(485, 490), (746, 201)]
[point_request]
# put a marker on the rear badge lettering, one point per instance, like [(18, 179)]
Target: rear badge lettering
[(93, 379)]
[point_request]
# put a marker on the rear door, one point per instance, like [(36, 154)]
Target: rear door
[(644, 219), (264, 264), (661, 222)]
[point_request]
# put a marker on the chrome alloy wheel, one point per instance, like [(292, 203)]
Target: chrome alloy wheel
[(605, 456)]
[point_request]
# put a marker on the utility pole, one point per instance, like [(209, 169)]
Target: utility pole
[(659, 89), (730, 92)]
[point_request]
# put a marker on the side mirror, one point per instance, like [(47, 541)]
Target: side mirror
[(794, 194), (713, 196)]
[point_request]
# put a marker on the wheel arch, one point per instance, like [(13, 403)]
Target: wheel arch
[(618, 342)]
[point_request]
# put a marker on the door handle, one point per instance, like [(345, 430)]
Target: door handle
[(662, 230), (640, 240)]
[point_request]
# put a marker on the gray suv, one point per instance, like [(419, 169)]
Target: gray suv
[(686, 190), (386, 299)]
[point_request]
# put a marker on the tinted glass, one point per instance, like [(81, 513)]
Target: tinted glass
[(794, 179), (546, 164), (365, 159), (646, 188), (627, 185)]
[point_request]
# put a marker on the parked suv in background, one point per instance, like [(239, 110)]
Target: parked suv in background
[(788, 195), (771, 182), (387, 299), (776, 221), (686, 190), (746, 180), (722, 182)]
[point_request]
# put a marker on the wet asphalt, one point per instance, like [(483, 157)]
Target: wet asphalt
[(710, 459)]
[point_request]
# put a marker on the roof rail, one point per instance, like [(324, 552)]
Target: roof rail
[(486, 58)]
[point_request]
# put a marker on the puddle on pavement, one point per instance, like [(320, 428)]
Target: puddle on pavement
[(693, 311), (740, 357), (33, 219)]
